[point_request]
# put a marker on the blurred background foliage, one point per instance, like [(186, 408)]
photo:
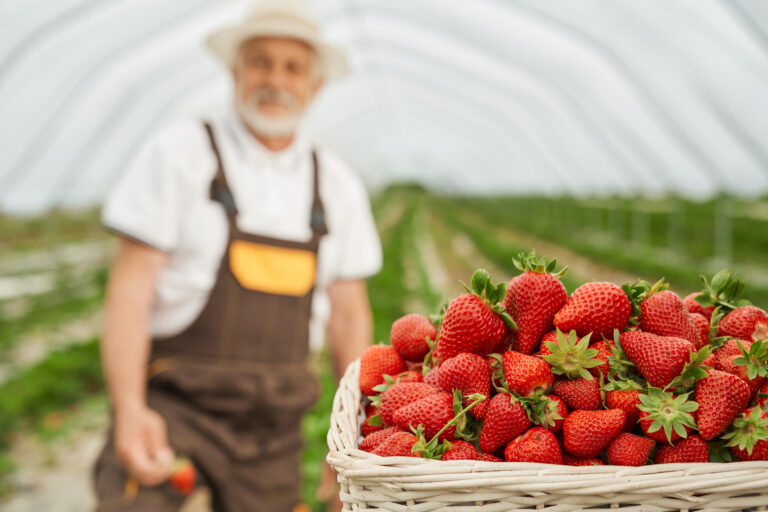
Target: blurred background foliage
[(54, 269)]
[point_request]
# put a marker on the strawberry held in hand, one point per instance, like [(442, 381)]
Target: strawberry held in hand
[(596, 308), (183, 477), (474, 322), (532, 300)]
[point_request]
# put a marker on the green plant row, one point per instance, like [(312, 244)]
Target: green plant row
[(48, 310), (682, 272)]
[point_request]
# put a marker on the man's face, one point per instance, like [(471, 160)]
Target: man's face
[(275, 80)]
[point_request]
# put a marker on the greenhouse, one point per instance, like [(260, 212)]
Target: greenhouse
[(625, 139)]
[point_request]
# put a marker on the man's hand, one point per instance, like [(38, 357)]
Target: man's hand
[(141, 444)]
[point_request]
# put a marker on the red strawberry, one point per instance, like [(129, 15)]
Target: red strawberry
[(526, 375), (532, 300), (570, 460), (691, 449), (663, 314), (724, 361), (587, 433), (702, 325), (432, 412), (469, 373), (488, 457), (579, 393), (604, 351), (371, 441), (544, 349), (627, 400), (376, 361), (745, 322), (399, 444), (629, 450), (409, 376), (409, 336), (658, 358), (694, 307), (721, 397), (432, 376), (473, 322), (183, 477), (460, 450), (401, 394), (368, 428), (595, 307), (747, 439), (536, 445), (505, 419)]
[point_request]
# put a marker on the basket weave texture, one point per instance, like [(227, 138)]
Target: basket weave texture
[(369, 482)]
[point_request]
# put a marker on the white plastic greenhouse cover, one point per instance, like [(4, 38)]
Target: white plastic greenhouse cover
[(530, 96)]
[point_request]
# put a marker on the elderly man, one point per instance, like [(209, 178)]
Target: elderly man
[(238, 243)]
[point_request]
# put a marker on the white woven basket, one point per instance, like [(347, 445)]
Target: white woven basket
[(369, 482)]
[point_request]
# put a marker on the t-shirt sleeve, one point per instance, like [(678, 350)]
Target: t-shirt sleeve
[(146, 204), (359, 255)]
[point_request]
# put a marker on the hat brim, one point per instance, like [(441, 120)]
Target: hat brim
[(226, 42)]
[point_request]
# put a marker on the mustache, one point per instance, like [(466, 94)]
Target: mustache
[(274, 95)]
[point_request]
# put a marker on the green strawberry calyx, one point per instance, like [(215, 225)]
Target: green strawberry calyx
[(541, 409), (432, 449), (754, 359), (692, 372), (747, 430), (637, 292), (571, 356), (491, 294), (389, 381), (667, 411), (620, 368), (530, 262), (722, 290)]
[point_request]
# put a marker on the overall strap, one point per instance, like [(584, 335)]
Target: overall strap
[(220, 191), (317, 215)]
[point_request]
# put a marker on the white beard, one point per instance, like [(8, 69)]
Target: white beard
[(268, 126)]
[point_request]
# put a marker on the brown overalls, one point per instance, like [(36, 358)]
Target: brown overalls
[(234, 385)]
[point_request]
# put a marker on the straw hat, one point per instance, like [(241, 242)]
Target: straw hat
[(278, 19)]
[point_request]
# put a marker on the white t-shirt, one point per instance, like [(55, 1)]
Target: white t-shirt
[(163, 201)]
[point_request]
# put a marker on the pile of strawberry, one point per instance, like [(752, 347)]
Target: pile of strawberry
[(623, 375)]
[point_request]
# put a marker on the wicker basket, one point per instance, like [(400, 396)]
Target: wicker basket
[(369, 482)]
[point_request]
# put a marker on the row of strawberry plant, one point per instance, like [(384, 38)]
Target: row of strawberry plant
[(684, 273)]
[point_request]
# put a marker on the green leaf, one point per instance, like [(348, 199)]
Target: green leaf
[(375, 421), (479, 281)]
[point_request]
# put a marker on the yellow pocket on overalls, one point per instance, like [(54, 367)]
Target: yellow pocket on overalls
[(272, 269)]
